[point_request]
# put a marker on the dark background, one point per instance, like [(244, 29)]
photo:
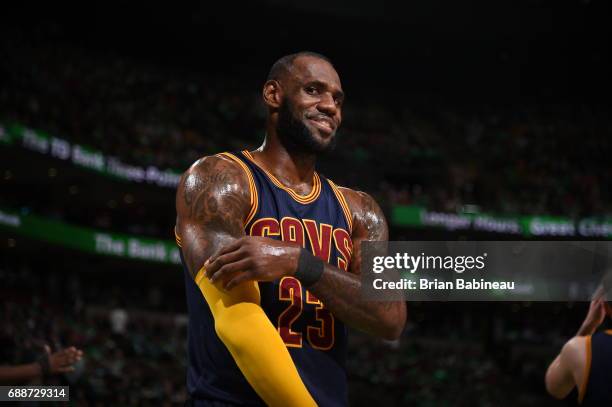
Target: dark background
[(501, 51), (502, 106)]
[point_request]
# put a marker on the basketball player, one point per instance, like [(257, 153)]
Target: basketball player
[(271, 251), (585, 362)]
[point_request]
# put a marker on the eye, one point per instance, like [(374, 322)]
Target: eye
[(311, 90)]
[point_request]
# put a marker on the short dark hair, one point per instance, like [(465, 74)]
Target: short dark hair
[(283, 65)]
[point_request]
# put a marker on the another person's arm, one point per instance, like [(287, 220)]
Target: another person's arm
[(213, 201), (264, 259), (58, 362), (569, 367), (561, 376)]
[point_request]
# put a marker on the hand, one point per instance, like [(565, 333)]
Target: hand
[(252, 258), (596, 314), (63, 360)]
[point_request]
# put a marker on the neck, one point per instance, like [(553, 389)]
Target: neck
[(291, 167)]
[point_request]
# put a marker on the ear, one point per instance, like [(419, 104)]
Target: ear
[(272, 94)]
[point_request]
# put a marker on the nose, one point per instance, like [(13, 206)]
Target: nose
[(327, 105)]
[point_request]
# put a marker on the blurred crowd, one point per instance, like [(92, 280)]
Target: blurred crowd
[(135, 345), (477, 355), (507, 158), (435, 372), (131, 357), (510, 159)]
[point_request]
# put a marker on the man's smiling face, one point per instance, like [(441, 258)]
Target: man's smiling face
[(311, 109)]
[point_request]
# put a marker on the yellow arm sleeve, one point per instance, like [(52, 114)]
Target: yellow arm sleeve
[(254, 343)]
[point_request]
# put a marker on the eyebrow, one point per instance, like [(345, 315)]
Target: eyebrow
[(338, 94)]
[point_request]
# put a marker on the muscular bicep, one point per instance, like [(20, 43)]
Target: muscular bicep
[(369, 224), (212, 202), (561, 374)]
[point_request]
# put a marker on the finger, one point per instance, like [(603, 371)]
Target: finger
[(239, 279), (221, 261), (226, 270), (67, 351), (72, 359), (69, 355), (230, 247)]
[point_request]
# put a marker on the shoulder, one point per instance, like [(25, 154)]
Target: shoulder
[(367, 214), (574, 352), (210, 165), (215, 176), (213, 170), (575, 345), (361, 203), (357, 200), (567, 370)]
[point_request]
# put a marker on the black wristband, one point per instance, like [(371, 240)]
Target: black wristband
[(45, 364), (309, 268)]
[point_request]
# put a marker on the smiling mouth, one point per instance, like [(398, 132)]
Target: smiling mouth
[(323, 125)]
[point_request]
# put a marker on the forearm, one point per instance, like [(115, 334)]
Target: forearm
[(587, 328), (242, 326), (268, 368), (20, 373), (340, 291)]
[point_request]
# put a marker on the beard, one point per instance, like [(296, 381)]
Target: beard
[(296, 137)]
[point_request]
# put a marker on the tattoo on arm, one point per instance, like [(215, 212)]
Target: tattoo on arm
[(212, 201), (370, 225), (341, 291)]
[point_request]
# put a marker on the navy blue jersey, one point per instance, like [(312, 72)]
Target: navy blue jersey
[(598, 380), (317, 341)]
